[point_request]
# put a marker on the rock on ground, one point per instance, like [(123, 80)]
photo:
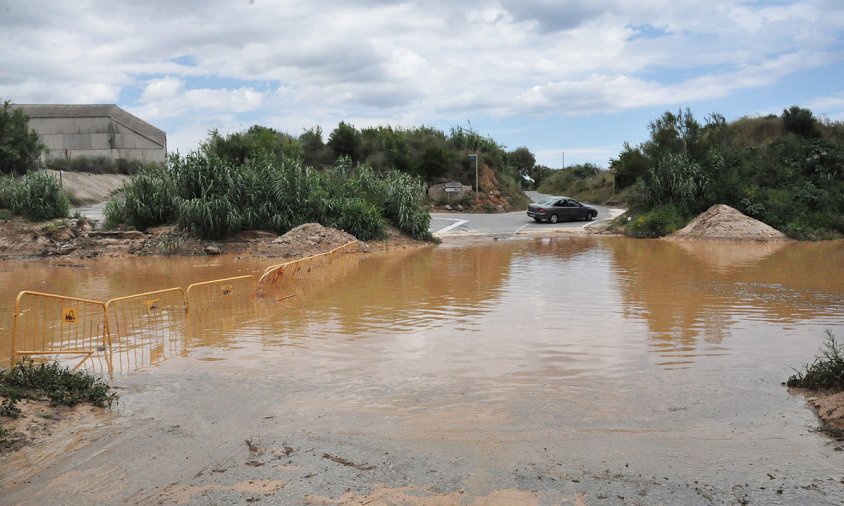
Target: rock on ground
[(723, 222)]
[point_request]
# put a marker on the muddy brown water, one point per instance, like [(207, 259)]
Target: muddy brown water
[(540, 370)]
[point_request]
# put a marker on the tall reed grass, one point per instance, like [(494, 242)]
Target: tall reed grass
[(37, 196), (214, 198)]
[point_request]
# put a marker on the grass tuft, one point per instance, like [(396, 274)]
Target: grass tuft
[(826, 372), (28, 380)]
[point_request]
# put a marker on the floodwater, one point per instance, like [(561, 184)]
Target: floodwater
[(538, 370)]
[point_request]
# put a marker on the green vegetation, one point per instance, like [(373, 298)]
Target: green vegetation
[(585, 182), (786, 171), (100, 165), (430, 154), (19, 145), (50, 381), (826, 372), (37, 196), (215, 198), (660, 221), (265, 179)]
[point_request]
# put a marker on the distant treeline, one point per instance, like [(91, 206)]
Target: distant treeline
[(426, 152)]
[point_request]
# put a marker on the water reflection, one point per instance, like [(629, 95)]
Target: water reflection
[(694, 294), (399, 292)]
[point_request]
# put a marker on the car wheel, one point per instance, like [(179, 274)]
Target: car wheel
[(592, 216), (537, 219), (553, 218)]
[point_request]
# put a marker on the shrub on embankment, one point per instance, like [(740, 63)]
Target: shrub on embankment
[(785, 171), (37, 196), (584, 182), (215, 198)]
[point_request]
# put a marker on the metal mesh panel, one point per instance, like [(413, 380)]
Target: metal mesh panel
[(220, 292), (286, 280), (146, 328), (47, 324)]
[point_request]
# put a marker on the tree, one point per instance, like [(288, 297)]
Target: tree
[(675, 134), (258, 141), (345, 140), (19, 145), (433, 163), (523, 160), (800, 122), (314, 152), (630, 165)]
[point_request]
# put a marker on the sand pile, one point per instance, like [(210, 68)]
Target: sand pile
[(724, 222)]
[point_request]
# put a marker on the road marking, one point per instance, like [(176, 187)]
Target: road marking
[(454, 225), (520, 228)]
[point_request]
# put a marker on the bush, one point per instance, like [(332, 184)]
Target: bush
[(7, 191), (26, 380), (115, 211), (800, 122), (826, 372), (787, 172), (657, 222), (100, 165), (148, 199), (354, 214), (584, 182), (214, 198), (38, 196)]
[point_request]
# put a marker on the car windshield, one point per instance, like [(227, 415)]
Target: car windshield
[(547, 201)]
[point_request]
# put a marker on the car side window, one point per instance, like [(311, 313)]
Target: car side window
[(560, 203)]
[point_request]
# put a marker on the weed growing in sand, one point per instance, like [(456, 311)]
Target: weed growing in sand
[(28, 380), (826, 372), (60, 386)]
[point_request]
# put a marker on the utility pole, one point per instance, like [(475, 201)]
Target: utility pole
[(564, 159), (475, 157)]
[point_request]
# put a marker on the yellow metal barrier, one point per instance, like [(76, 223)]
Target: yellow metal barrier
[(220, 292), (47, 324), (139, 330), (277, 282), (146, 327)]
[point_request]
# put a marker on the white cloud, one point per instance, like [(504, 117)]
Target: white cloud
[(162, 89), (214, 61), (833, 105)]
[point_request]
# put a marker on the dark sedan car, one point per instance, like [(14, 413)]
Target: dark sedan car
[(555, 209)]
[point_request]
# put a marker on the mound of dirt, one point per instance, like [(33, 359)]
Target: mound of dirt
[(723, 222), (305, 240)]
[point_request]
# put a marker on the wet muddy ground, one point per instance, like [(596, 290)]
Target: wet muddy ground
[(544, 371)]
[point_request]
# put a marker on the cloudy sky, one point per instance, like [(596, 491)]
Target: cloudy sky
[(570, 76)]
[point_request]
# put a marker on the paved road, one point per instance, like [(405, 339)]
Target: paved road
[(457, 224)]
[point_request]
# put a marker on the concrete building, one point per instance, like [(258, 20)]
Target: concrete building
[(95, 130)]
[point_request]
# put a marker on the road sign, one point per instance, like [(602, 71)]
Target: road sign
[(449, 189)]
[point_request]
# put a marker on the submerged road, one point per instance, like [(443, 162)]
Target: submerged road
[(517, 222)]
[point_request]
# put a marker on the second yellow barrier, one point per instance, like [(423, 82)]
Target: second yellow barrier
[(220, 291)]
